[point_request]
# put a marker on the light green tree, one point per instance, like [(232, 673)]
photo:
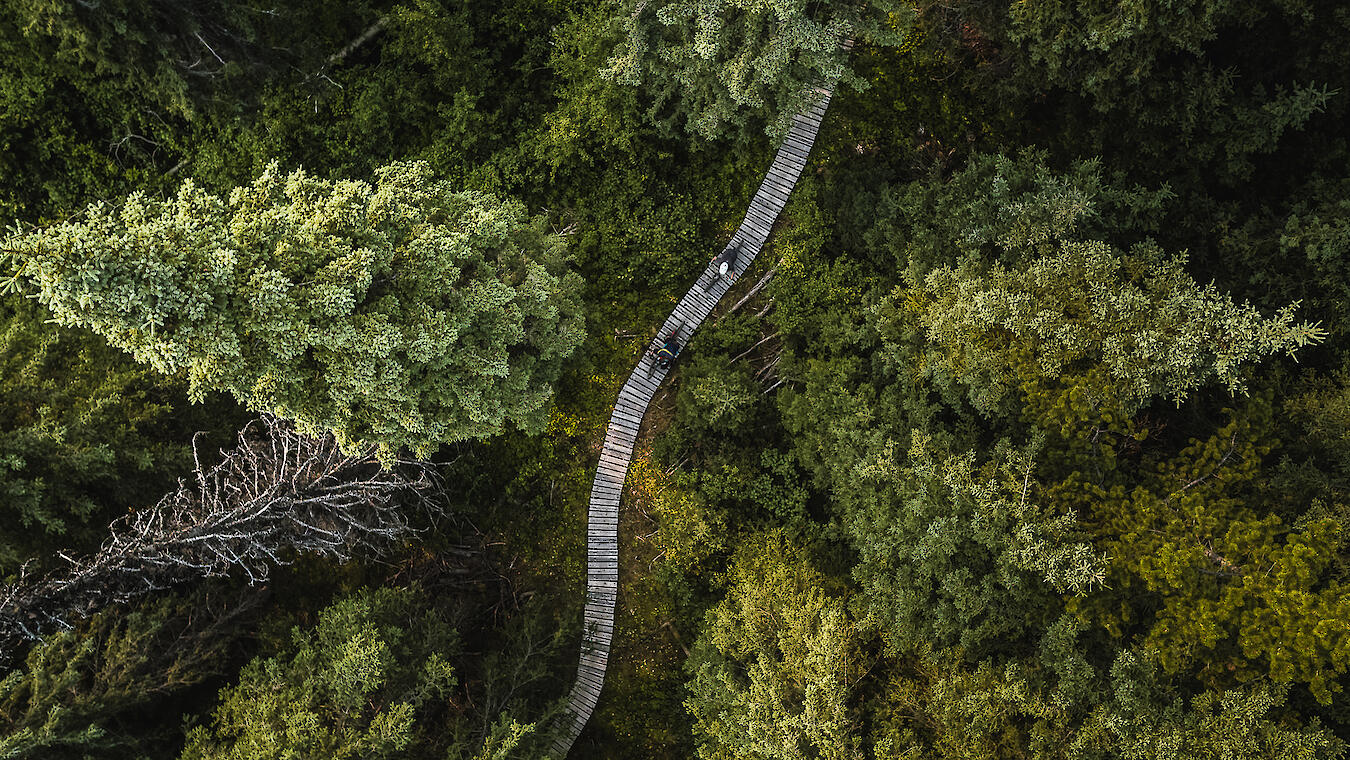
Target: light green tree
[(1145, 717), (717, 65), (350, 688), (1138, 319), (772, 675), (403, 313)]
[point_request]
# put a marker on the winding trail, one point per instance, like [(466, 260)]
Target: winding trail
[(602, 532)]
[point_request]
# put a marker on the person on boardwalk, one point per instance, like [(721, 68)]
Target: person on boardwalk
[(665, 355), (726, 261), (726, 265)]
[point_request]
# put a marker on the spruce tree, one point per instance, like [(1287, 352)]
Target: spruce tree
[(401, 313), (717, 66)]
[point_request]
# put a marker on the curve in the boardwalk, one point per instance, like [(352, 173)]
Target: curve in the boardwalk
[(602, 530)]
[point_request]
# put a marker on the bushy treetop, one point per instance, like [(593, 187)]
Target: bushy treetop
[(718, 65), (401, 313)]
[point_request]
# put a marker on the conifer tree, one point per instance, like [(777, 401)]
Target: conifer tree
[(403, 313), (350, 688), (773, 673), (718, 65)]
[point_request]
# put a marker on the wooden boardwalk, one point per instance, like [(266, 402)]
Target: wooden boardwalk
[(602, 530)]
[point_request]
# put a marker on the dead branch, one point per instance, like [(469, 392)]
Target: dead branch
[(753, 291), (275, 494), (365, 37), (758, 343)]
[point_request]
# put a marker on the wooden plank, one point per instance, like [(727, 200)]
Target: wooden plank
[(760, 224), (763, 220), (591, 680), (685, 315), (805, 144), (755, 226), (622, 427), (626, 416), (617, 449), (607, 477), (702, 295), (624, 422), (640, 383), (644, 388), (777, 185), (802, 137), (613, 479), (794, 150), (772, 191), (636, 387), (781, 186), (768, 210), (698, 303), (770, 202), (632, 400)]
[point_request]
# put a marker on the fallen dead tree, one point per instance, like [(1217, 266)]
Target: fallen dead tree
[(275, 494)]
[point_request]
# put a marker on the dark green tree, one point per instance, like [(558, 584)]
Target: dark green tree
[(718, 67), (86, 692), (85, 434)]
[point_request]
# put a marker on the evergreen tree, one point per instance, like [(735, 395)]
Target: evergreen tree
[(402, 314), (951, 554), (373, 679), (772, 675), (719, 66), (1138, 319), (85, 692), (85, 435), (350, 688)]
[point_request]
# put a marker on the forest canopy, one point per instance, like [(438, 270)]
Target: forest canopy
[(1027, 434)]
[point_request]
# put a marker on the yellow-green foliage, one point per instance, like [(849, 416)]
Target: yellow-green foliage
[(1229, 581), (1139, 317), (351, 688), (689, 531), (773, 673)]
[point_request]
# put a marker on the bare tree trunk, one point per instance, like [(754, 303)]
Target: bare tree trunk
[(276, 493), (365, 37)]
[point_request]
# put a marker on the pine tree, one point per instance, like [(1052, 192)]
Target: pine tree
[(350, 688)]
